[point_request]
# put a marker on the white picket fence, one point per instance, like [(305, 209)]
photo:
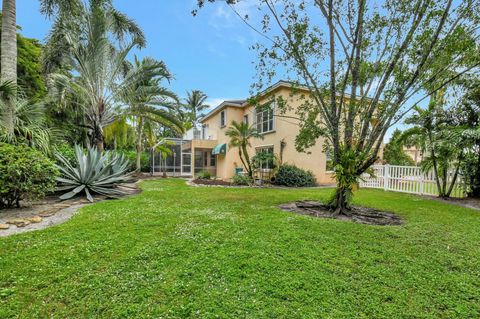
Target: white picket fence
[(407, 179)]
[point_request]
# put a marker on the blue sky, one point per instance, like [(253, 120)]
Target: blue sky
[(209, 52)]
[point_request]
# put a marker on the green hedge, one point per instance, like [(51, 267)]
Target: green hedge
[(25, 174), (292, 176)]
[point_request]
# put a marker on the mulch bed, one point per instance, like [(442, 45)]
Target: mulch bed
[(214, 182), (361, 215)]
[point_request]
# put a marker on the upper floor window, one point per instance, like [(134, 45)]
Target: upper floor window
[(264, 120), (197, 134), (223, 118), (245, 119)]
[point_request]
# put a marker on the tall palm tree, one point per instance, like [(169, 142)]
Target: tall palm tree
[(240, 135), (147, 101), (98, 77), (8, 55), (194, 105)]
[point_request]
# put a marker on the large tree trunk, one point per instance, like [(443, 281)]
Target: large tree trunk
[(138, 165), (98, 138), (8, 57), (247, 160)]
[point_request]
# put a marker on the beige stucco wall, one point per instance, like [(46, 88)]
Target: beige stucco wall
[(284, 129)]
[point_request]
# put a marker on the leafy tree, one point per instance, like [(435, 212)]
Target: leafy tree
[(364, 63), (30, 78), (464, 119), (240, 135), (119, 134), (393, 152)]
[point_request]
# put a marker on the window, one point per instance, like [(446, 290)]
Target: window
[(223, 119), (264, 120), (268, 162), (205, 159), (196, 134), (245, 119), (213, 160)]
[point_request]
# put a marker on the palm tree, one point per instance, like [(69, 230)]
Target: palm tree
[(240, 135), (8, 56), (98, 79), (148, 101), (432, 134), (29, 125), (194, 105)]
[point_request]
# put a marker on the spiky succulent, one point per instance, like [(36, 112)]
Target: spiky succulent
[(95, 172)]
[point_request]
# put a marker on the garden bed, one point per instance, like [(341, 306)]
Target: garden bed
[(211, 182), (361, 215)]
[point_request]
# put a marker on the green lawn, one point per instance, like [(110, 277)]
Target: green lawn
[(178, 252)]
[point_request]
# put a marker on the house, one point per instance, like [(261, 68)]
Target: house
[(415, 154), (205, 148)]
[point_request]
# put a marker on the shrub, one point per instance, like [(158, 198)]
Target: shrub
[(131, 156), (241, 180), (292, 176), (204, 175), (25, 174), (94, 172), (66, 151)]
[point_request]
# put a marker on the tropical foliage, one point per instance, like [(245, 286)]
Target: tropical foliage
[(393, 152), (25, 174), (240, 135), (94, 173)]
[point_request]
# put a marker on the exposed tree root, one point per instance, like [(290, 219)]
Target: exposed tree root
[(360, 215)]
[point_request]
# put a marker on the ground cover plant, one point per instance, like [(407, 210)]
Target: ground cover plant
[(176, 251)]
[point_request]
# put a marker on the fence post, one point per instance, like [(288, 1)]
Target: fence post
[(422, 182), (386, 177)]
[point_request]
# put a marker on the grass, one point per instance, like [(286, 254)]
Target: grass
[(175, 251)]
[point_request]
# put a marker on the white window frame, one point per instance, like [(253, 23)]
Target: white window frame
[(267, 149), (270, 117)]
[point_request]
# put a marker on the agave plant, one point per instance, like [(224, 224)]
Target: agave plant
[(95, 172)]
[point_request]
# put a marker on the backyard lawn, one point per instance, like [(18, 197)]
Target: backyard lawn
[(176, 251)]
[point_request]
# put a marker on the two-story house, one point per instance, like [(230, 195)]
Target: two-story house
[(278, 130)]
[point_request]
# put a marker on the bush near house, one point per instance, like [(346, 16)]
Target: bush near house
[(204, 175), (25, 174), (292, 176)]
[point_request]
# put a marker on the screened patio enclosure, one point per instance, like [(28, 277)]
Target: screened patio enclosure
[(186, 159)]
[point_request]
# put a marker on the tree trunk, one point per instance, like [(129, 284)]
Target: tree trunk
[(340, 201), (8, 56), (98, 138), (138, 165), (247, 160)]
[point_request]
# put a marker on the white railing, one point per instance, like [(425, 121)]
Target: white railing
[(408, 179)]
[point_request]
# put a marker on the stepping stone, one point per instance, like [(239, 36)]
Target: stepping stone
[(19, 222), (4, 226), (35, 219), (47, 213)]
